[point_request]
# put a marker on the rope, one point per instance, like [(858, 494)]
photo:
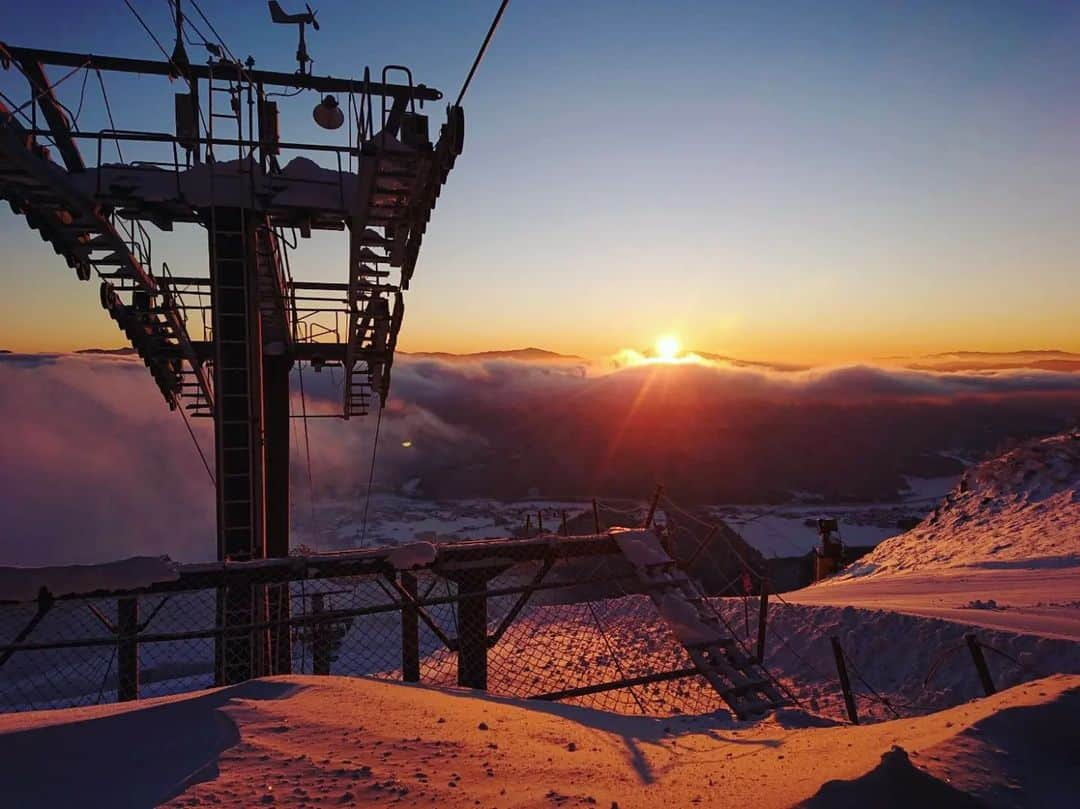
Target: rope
[(371, 476), (198, 447), (108, 109), (683, 512), (1023, 666), (82, 96), (873, 694)]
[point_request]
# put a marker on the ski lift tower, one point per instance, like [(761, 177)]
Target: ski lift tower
[(221, 343)]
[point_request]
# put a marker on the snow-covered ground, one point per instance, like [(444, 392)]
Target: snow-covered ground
[(774, 530), (393, 519), (316, 741), (999, 556), (1001, 550)]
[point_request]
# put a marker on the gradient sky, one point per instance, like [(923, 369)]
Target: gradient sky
[(803, 181)]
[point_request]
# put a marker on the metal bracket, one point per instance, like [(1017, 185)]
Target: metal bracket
[(407, 598), (520, 603)]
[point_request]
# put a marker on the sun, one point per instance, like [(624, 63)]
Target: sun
[(667, 347)]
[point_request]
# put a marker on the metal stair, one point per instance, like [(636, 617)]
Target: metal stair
[(92, 239), (739, 680)]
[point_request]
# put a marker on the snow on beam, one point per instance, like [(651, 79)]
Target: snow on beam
[(25, 583)]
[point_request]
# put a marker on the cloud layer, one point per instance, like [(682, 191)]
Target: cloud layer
[(96, 467)]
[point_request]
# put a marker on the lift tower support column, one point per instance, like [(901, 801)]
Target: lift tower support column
[(251, 416)]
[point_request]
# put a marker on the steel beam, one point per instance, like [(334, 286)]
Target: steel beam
[(120, 64)]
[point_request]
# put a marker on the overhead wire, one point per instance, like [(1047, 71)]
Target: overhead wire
[(482, 51)]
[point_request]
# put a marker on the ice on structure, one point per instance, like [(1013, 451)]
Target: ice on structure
[(24, 583), (302, 183), (415, 554), (641, 547)]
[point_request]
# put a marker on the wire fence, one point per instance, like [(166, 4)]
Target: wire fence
[(548, 617)]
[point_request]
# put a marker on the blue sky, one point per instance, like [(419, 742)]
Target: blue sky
[(815, 181)]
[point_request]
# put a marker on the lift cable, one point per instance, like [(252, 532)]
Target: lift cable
[(482, 51), (371, 475), (108, 109), (210, 25), (157, 42)]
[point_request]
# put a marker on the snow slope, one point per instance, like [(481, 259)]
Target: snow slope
[(1002, 551), (316, 741), (1021, 509)]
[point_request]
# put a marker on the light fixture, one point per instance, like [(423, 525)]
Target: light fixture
[(328, 114)]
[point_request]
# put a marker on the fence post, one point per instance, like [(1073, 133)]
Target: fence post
[(652, 506), (595, 516), (980, 664), (472, 630), (410, 632), (763, 615), (320, 637), (127, 652), (845, 683)]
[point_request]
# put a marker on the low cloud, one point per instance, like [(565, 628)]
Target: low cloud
[(96, 467)]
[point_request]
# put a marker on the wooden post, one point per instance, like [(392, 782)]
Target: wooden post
[(562, 528), (320, 637), (410, 632), (763, 615), (127, 651), (595, 516), (845, 683), (540, 520), (980, 663), (652, 506), (472, 630), (528, 525)]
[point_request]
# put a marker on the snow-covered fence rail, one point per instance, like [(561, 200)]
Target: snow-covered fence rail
[(548, 616)]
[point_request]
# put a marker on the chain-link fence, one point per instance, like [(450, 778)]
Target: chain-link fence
[(549, 617)]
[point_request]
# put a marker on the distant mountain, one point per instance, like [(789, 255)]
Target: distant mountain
[(1041, 359), (115, 352), (525, 354)]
